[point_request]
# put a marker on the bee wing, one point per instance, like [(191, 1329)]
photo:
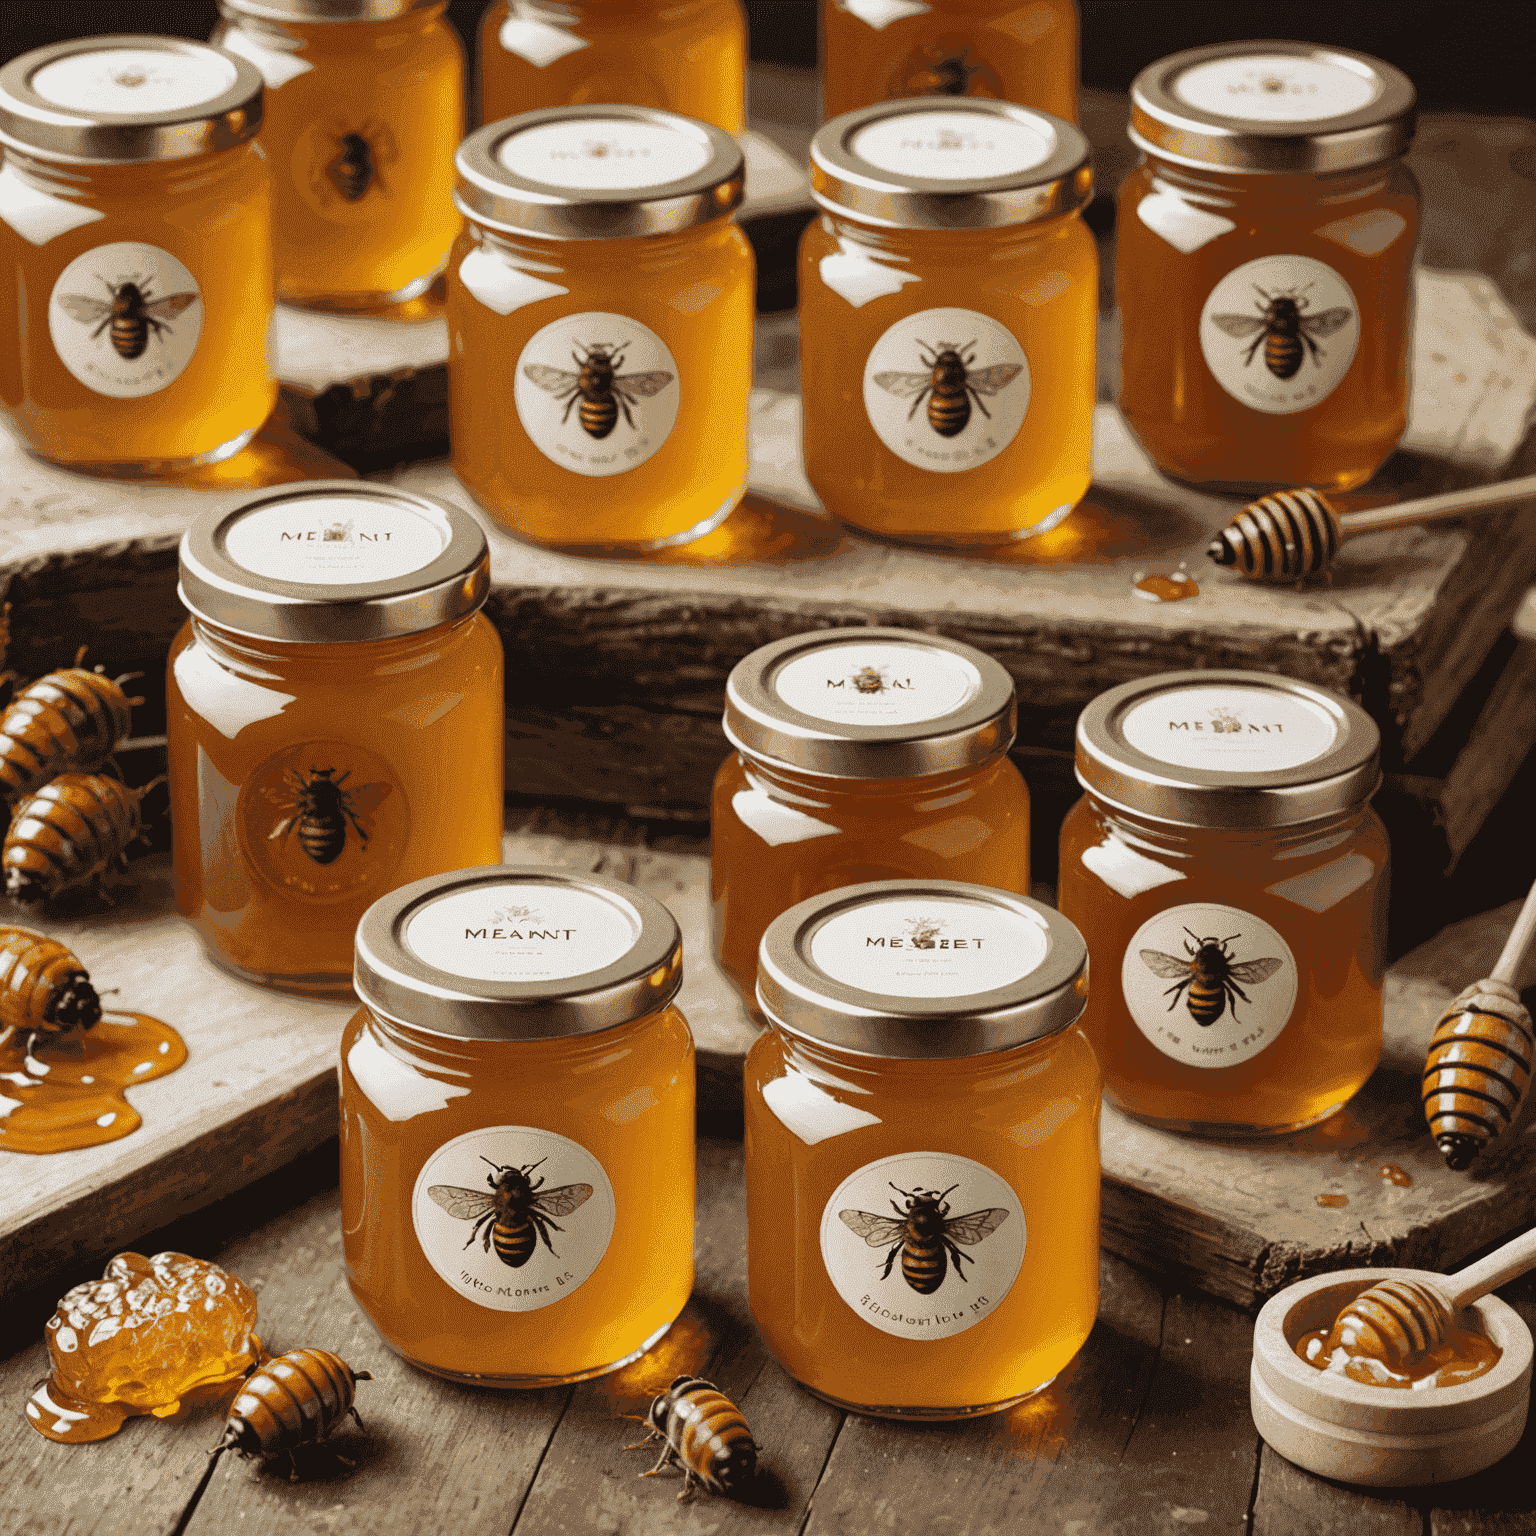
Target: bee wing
[(1239, 325), (367, 797), (81, 307), (877, 1231), (1255, 970), (990, 380), (904, 385), (975, 1225), (464, 1204), (169, 307), (644, 384), (555, 380), (562, 1201), (1326, 323), (281, 827), (1164, 965)]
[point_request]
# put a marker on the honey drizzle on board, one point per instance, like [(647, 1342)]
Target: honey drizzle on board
[(1464, 1356), (1174, 588)]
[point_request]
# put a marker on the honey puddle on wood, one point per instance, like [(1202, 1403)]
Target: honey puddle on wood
[(1333, 1202), (1173, 588), (1390, 1173)]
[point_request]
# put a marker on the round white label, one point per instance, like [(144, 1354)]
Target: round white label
[(1280, 332), (134, 81), (951, 146), (946, 389), (1209, 986), (1231, 730), (1277, 88), (125, 319), (512, 1217), (876, 684), (923, 1245), (603, 154), (926, 946), (597, 393), (517, 932), (335, 540)]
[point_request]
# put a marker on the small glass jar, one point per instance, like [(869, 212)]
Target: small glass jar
[(687, 56), (601, 270), (1264, 265), (517, 1160), (1229, 876), (861, 754), (365, 106), (922, 1149), (334, 718), (948, 304), (135, 254), (874, 51)]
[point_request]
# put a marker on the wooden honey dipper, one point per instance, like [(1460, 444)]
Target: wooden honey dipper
[(1295, 534)]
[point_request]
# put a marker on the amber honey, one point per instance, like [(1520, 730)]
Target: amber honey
[(687, 56), (1265, 249), (924, 1101), (135, 254), (517, 1158)]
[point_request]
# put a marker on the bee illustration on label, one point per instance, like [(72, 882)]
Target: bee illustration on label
[(337, 533), (1284, 329), (598, 384), (1224, 722), (131, 311), (353, 171), (869, 680), (514, 914), (948, 74), (1212, 973), (130, 79), (321, 809), (944, 67), (923, 931), (923, 1233), (949, 385), (516, 1214)]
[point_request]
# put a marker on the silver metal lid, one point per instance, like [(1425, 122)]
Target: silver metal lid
[(323, 10), (1228, 750), (334, 561), (1272, 107), (128, 98), (921, 969), (598, 173), (515, 952), (941, 163), (870, 704)]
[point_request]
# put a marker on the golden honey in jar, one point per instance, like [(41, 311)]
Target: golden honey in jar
[(1229, 876), (687, 56), (135, 254), (948, 304), (364, 109), (600, 306), (878, 50), (861, 754), (517, 1159), (334, 726), (922, 1148), (1264, 265)]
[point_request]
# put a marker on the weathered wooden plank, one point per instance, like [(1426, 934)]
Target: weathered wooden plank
[(1500, 742), (1288, 1500)]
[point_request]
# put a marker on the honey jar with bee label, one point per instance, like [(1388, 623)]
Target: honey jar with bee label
[(861, 754), (600, 306), (1229, 875), (364, 109), (948, 304), (687, 56), (517, 1155), (334, 725), (135, 254), (1264, 265), (922, 1148)]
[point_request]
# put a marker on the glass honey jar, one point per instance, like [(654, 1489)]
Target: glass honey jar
[(879, 50), (861, 754), (948, 304), (334, 723), (922, 1148), (600, 307), (687, 56), (364, 109), (1264, 265), (135, 254), (1229, 876), (517, 1093)]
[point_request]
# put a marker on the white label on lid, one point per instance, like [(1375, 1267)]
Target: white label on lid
[(537, 42), (335, 540), (923, 1245), (517, 932), (603, 154), (928, 946), (1277, 88), (876, 683), (134, 80), (879, 14), (1230, 729), (951, 146)]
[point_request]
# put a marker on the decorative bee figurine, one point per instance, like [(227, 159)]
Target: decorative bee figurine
[(68, 833), (923, 1232), (516, 1214), (72, 720), (44, 990), (300, 1398), (705, 1435)]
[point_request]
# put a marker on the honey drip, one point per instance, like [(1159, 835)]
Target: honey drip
[(1174, 588), (1333, 1202), (1464, 1356)]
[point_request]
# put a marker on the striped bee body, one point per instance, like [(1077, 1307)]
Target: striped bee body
[(1283, 354), (514, 1243), (44, 990), (300, 1398), (1478, 1070), (68, 833), (1207, 1001), (923, 1261), (72, 720), (705, 1434)]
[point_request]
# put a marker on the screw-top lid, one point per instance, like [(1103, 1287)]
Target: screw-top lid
[(334, 560), (1272, 106), (598, 173), (870, 704), (323, 10), (1232, 750), (935, 163), (922, 969), (123, 99), (516, 953)]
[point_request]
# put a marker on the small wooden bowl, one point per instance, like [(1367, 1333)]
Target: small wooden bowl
[(1380, 1436)]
